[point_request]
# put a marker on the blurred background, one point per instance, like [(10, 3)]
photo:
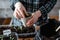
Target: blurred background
[(5, 10)]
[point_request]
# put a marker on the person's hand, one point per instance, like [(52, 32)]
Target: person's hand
[(19, 10), (33, 18)]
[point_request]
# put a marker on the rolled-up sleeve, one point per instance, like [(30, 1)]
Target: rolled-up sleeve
[(13, 2), (46, 8)]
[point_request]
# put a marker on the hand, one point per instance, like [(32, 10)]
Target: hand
[(19, 10), (33, 18)]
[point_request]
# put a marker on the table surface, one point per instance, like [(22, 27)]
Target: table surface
[(52, 17)]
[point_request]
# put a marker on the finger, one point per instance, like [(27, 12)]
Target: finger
[(30, 21), (21, 12), (16, 15), (29, 25), (18, 12)]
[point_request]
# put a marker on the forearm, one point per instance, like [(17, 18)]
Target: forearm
[(46, 8)]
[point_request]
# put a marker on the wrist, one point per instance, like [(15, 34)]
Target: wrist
[(17, 5), (38, 13)]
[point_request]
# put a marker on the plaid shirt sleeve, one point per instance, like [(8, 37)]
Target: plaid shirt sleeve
[(47, 7)]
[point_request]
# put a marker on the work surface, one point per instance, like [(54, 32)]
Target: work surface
[(5, 21)]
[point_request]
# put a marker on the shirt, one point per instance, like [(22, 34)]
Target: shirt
[(45, 6)]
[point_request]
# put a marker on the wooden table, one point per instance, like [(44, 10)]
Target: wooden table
[(26, 39)]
